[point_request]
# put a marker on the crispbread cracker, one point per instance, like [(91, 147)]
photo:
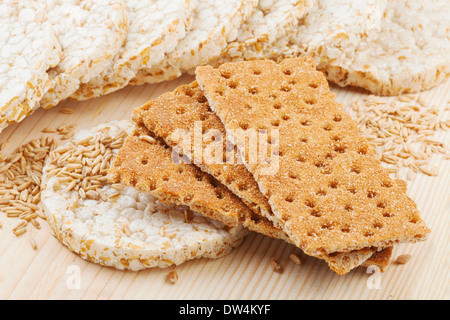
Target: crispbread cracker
[(405, 49), (128, 229), (172, 117), (91, 34), (155, 28), (270, 20), (329, 189), (214, 24), (28, 48), (148, 166)]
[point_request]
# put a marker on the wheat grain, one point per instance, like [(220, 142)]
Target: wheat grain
[(400, 130)]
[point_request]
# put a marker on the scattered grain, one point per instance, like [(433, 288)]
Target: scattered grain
[(400, 130), (403, 259), (295, 258), (172, 277), (275, 265)]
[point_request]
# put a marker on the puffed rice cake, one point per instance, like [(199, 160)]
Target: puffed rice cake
[(270, 20), (91, 34), (127, 229), (214, 24), (388, 48), (29, 47), (155, 28)]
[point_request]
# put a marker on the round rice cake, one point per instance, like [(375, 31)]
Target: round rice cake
[(155, 28), (409, 54), (117, 226), (214, 25), (28, 48), (270, 20), (388, 48), (91, 33)]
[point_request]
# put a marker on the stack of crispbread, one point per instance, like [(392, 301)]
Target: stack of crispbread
[(327, 195)]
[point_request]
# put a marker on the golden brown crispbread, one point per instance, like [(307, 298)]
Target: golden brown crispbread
[(179, 111), (145, 162), (149, 168), (331, 192)]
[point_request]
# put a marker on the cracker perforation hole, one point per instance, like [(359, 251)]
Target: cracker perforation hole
[(386, 184), (377, 225), (202, 99), (248, 106), (290, 198), (285, 117), (277, 106), (368, 234), (381, 204), (327, 226), (372, 194), (387, 214), (363, 150), (352, 190), (327, 127), (340, 149), (321, 192), (275, 123), (287, 72), (273, 96), (301, 158), (219, 194), (310, 101), (256, 72), (313, 85), (315, 213), (319, 164), (414, 219), (304, 140), (345, 229), (253, 90), (329, 156), (293, 176), (219, 92), (180, 170), (285, 89), (356, 170), (348, 207), (333, 184), (225, 74), (310, 203), (181, 111), (305, 123), (144, 162), (244, 126), (337, 118), (233, 85)]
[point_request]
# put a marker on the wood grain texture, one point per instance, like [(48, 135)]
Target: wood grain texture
[(47, 273)]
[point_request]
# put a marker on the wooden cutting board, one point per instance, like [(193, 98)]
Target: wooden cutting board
[(53, 272)]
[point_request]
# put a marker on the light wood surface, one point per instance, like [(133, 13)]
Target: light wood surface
[(52, 271)]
